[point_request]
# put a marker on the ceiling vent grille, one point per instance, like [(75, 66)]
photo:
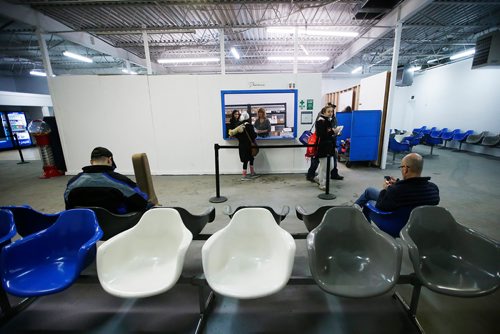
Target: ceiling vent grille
[(487, 51)]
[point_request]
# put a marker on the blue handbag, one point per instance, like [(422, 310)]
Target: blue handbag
[(304, 137)]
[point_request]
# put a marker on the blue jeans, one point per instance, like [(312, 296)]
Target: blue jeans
[(370, 194)]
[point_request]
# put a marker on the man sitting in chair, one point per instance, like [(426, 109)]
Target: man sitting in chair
[(98, 185), (412, 191)]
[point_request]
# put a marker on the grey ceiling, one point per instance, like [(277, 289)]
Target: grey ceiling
[(111, 31)]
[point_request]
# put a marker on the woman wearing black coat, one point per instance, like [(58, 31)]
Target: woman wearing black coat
[(326, 142), (246, 135)]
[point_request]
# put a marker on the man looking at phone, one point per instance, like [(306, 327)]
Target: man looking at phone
[(412, 191)]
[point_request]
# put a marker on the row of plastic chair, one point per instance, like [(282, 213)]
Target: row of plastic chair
[(29, 221), (252, 256), (435, 136)]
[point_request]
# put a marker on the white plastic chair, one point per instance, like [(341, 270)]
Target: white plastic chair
[(147, 259), (251, 257)]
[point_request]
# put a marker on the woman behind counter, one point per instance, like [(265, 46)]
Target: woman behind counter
[(262, 124)]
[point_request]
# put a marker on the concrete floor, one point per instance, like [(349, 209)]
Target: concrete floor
[(469, 185)]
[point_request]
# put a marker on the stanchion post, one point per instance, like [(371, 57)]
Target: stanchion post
[(218, 198), (16, 140), (327, 194)]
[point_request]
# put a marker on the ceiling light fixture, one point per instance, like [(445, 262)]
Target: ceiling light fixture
[(312, 32), (38, 73), (304, 49), (432, 61), (300, 58), (335, 33), (357, 70), (415, 68), (77, 57), (235, 53), (124, 70), (187, 60), (463, 54)]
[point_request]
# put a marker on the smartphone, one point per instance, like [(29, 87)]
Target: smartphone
[(388, 178)]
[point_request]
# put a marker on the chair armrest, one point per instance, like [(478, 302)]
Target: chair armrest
[(210, 212), (284, 211), (300, 212), (228, 211), (370, 206)]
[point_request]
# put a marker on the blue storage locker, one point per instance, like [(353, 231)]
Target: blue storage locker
[(363, 127)]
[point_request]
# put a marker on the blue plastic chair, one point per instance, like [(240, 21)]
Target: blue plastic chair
[(419, 130), (51, 260), (7, 227), (462, 137), (446, 136), (396, 147), (434, 138), (415, 139), (29, 221), (391, 222), (428, 131)]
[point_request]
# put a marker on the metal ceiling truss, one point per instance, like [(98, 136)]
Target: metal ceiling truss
[(111, 32)]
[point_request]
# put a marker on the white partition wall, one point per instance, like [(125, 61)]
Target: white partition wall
[(451, 96), (176, 120)]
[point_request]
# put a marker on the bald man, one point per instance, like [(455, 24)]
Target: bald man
[(412, 191)]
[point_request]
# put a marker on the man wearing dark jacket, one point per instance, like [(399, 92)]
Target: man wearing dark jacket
[(99, 185), (412, 191)]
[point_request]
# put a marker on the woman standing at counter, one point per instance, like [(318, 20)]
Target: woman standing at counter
[(262, 124)]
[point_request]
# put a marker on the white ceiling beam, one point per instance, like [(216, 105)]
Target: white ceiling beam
[(399, 14), (29, 16)]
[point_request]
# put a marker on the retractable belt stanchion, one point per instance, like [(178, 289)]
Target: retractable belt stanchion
[(327, 194), (218, 198), (16, 140)]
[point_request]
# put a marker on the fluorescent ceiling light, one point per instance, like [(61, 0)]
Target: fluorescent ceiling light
[(124, 70), (304, 49), (432, 61), (328, 33), (357, 70), (77, 57), (235, 53), (187, 60), (38, 73), (300, 58), (312, 32), (463, 54), (415, 68)]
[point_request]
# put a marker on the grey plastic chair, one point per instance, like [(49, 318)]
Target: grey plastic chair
[(476, 138), (311, 220), (112, 223), (449, 258), (196, 223), (349, 257), (278, 217), (491, 140)]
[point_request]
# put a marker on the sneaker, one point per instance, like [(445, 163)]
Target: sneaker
[(356, 206), (316, 179), (337, 177), (254, 175), (246, 178), (322, 187)]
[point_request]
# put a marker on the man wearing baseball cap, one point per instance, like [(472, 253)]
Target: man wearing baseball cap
[(99, 185)]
